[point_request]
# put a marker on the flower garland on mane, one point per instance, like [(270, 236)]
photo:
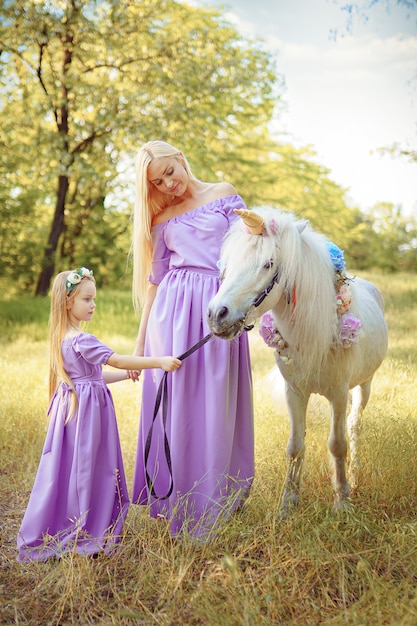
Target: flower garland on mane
[(349, 325)]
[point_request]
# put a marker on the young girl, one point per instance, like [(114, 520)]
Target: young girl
[(79, 500)]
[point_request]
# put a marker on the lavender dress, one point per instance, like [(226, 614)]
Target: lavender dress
[(209, 418), (79, 500)]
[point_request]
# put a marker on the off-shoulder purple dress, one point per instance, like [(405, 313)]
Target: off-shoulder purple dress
[(209, 418), (79, 499)]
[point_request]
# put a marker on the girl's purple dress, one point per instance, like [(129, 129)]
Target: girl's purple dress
[(79, 500), (209, 419)]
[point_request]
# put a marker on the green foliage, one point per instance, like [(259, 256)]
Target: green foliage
[(390, 241), (23, 316), (398, 151), (91, 81), (83, 84)]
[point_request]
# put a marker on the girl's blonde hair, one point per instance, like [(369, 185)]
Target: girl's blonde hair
[(148, 203), (58, 327)]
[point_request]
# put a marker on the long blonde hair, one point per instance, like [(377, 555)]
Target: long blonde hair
[(148, 203), (58, 327)]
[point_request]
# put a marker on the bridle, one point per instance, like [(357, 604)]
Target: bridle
[(162, 396), (263, 294)]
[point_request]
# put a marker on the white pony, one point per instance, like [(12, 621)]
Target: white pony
[(327, 328)]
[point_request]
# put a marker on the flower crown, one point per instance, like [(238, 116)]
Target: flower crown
[(75, 277)]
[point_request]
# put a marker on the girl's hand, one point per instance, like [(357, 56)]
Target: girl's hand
[(169, 363), (133, 375)]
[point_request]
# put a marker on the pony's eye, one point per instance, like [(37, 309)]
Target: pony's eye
[(268, 264)]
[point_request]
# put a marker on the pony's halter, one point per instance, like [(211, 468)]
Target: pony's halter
[(257, 301), (261, 296)]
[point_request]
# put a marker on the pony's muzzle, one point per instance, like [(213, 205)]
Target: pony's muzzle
[(220, 322)]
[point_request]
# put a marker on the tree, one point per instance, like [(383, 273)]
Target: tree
[(291, 178), (363, 8), (84, 82), (395, 238), (96, 78)]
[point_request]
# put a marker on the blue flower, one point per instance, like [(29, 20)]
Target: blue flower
[(336, 254)]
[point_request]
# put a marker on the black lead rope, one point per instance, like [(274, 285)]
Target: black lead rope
[(162, 396)]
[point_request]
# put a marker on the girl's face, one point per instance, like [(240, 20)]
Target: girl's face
[(81, 307), (168, 175)]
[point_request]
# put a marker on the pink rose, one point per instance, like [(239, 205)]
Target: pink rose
[(268, 330), (350, 328), (343, 299)]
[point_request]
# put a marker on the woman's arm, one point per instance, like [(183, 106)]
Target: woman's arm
[(140, 341), (146, 309)]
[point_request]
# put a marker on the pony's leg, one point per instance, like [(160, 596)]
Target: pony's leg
[(337, 443), (297, 407), (360, 397)]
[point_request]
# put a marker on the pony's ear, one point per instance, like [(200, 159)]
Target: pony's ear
[(302, 225)]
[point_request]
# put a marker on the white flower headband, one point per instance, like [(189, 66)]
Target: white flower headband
[(75, 277)]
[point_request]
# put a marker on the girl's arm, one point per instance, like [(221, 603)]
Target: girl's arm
[(115, 376), (132, 362)]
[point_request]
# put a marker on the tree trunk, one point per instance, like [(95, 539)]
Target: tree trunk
[(48, 264)]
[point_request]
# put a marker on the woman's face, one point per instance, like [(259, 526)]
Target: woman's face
[(168, 175)]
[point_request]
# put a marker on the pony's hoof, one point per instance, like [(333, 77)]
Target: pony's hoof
[(342, 505), (354, 476), (289, 503)]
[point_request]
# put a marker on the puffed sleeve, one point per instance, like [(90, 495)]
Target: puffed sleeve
[(231, 203), (160, 255), (92, 350)]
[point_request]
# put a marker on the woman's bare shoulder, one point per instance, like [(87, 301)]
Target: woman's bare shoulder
[(219, 190), (224, 189), (203, 194)]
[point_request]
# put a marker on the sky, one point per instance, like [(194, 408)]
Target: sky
[(348, 91)]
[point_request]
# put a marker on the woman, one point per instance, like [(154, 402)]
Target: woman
[(179, 225)]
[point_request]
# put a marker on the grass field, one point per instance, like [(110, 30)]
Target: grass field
[(357, 568)]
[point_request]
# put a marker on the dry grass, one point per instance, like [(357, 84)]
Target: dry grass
[(316, 567)]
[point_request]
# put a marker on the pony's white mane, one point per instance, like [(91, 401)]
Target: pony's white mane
[(306, 272)]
